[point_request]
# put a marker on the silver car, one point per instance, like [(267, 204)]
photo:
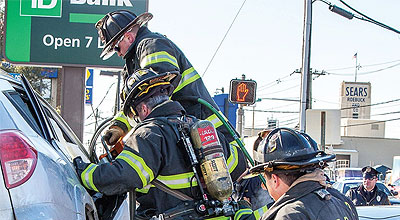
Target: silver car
[(378, 212), (36, 152)]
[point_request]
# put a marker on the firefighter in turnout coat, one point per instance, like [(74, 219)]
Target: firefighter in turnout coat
[(152, 152)]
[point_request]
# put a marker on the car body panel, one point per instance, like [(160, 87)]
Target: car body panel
[(54, 190), (378, 212), (6, 211)]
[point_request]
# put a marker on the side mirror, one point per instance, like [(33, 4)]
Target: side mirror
[(395, 193)]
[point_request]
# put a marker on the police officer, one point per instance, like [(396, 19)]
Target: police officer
[(123, 32), (368, 193), (151, 151), (292, 165)]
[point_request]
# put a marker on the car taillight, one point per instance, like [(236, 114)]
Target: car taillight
[(18, 158)]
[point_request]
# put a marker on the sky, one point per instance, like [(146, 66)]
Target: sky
[(265, 44)]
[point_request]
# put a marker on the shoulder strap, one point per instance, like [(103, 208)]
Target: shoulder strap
[(160, 122)]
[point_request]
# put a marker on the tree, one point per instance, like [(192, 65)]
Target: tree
[(33, 74)]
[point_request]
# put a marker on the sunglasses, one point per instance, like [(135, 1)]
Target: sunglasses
[(116, 47)]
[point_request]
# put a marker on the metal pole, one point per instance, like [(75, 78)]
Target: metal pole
[(355, 77), (305, 96), (252, 126), (323, 130), (117, 99), (240, 115)]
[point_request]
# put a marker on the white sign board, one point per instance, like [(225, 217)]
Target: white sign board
[(355, 100)]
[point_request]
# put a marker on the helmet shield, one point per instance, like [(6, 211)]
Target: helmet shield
[(284, 146), (143, 84), (114, 24)]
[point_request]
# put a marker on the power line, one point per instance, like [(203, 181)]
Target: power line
[(379, 103), (367, 123), (352, 67), (215, 53), (284, 90), (272, 111), (364, 73), (109, 88)]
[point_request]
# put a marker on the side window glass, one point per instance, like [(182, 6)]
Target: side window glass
[(67, 141), (21, 103)]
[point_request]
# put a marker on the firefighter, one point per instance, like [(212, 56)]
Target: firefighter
[(368, 193), (292, 165), (125, 33), (151, 152)]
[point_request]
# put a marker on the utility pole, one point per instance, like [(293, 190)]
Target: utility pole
[(305, 71)]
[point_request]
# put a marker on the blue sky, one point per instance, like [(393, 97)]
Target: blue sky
[(265, 44)]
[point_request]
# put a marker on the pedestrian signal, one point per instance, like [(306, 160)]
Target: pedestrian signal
[(242, 91)]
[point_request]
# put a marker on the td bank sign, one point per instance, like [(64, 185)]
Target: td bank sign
[(60, 32)]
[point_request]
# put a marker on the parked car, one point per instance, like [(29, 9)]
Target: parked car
[(395, 186), (378, 212), (344, 186), (36, 152)]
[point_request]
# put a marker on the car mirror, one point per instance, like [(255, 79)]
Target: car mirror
[(395, 193)]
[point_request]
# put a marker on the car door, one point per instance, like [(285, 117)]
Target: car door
[(64, 141)]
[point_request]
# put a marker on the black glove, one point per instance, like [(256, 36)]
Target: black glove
[(79, 165)]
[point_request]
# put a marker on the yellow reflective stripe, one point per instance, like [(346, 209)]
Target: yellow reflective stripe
[(215, 120), (144, 189), (232, 160), (188, 76), (158, 57), (242, 212), (87, 177), (178, 181), (219, 218), (120, 116), (137, 163), (259, 212)]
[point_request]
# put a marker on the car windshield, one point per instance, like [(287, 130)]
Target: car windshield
[(380, 186)]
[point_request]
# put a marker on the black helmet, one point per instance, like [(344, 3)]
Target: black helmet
[(285, 149), (114, 24), (143, 84)]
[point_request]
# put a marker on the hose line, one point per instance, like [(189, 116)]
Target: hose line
[(232, 132)]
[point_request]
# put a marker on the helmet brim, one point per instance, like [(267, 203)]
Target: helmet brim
[(108, 49), (315, 160), (129, 98)]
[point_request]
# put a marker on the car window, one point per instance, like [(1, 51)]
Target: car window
[(20, 101), (348, 186), (68, 143), (384, 188)]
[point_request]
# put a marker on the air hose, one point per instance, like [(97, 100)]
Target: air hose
[(231, 131)]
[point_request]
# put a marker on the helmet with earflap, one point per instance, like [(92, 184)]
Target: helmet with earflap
[(114, 25), (143, 84), (287, 150)]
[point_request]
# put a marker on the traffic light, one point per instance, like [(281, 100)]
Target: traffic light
[(242, 91)]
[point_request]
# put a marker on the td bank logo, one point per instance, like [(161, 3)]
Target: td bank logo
[(41, 8)]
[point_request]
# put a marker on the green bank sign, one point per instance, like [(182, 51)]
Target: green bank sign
[(60, 32)]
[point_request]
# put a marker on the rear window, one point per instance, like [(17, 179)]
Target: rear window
[(21, 103)]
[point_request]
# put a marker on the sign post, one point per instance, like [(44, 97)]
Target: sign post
[(243, 92), (62, 33)]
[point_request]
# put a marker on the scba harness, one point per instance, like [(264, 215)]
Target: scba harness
[(198, 140)]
